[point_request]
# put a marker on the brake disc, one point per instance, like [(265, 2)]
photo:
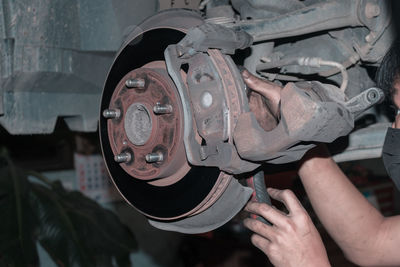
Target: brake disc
[(144, 124)]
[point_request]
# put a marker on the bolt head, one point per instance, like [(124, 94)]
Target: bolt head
[(370, 37), (206, 100), (372, 95), (372, 10)]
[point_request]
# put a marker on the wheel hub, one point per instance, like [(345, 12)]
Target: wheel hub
[(149, 127)]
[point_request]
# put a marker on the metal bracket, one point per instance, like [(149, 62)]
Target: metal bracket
[(364, 101), (208, 36), (219, 156), (312, 115)]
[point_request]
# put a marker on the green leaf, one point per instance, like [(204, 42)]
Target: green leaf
[(57, 233), (74, 230), (80, 225), (18, 223)]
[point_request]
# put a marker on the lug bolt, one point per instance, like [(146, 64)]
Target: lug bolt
[(154, 157), (111, 113), (372, 95), (162, 109), (123, 157), (135, 83)]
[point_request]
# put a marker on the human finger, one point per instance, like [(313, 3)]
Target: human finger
[(288, 198), (260, 228), (261, 243), (262, 112), (269, 90), (259, 85), (267, 212)]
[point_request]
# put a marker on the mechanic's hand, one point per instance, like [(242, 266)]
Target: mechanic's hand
[(271, 91), (293, 240)]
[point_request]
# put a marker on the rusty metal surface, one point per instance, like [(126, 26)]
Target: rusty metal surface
[(215, 216), (310, 112), (216, 76), (171, 190), (139, 131), (321, 16)]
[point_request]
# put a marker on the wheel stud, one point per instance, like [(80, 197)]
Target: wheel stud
[(154, 157), (135, 83), (162, 109), (111, 113), (123, 157)]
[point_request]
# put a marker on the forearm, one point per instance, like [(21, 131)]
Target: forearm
[(349, 218)]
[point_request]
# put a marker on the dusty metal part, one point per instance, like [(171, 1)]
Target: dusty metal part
[(216, 92), (123, 157), (162, 108), (111, 113), (221, 14), (138, 124), (257, 9), (187, 192), (379, 36), (370, 40), (135, 83), (322, 16), (168, 4), (309, 112), (365, 100), (154, 157), (374, 14), (372, 10), (139, 130), (209, 35), (213, 217), (212, 120)]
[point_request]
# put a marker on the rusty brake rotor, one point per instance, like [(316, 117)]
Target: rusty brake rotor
[(143, 125)]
